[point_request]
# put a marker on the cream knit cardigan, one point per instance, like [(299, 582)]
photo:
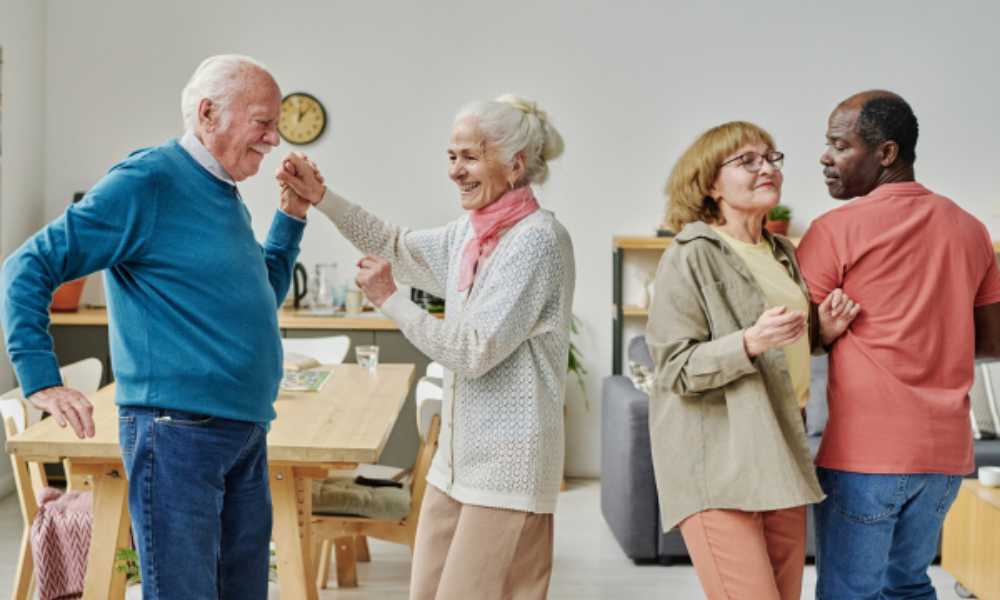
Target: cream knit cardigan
[(505, 344)]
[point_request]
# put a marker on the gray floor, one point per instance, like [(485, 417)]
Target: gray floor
[(588, 562)]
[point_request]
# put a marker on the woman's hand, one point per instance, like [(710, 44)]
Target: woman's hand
[(835, 315), (775, 328), (375, 279), (301, 174)]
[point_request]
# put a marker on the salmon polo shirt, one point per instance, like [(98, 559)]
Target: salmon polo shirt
[(899, 379)]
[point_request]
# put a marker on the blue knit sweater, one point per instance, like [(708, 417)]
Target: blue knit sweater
[(192, 296)]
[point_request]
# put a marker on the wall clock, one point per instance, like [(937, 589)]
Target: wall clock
[(303, 118)]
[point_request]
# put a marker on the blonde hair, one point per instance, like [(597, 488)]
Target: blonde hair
[(515, 125), (694, 173)]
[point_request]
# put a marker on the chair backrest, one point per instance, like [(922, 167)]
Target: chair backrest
[(435, 370), (83, 376), (29, 478), (15, 409), (429, 394), (431, 409), (327, 350)]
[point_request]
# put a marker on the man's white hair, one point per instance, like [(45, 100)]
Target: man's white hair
[(217, 78)]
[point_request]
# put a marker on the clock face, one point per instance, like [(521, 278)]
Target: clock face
[(303, 118)]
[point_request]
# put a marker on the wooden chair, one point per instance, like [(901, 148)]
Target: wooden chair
[(348, 535), (29, 477)]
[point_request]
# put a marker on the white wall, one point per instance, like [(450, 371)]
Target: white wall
[(629, 84), (22, 36)]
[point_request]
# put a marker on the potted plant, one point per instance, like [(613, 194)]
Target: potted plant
[(67, 296), (127, 562), (778, 219), (575, 363)]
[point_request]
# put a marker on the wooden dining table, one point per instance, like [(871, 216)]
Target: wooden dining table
[(346, 423)]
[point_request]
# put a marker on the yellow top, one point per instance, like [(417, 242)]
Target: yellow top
[(780, 290)]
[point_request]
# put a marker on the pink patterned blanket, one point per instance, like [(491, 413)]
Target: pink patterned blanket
[(60, 540)]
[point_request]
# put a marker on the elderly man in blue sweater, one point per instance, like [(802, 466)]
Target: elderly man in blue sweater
[(192, 300)]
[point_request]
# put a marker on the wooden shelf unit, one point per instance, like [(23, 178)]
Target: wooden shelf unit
[(634, 311), (621, 244)]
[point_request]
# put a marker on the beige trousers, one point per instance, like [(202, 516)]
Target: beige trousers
[(464, 551)]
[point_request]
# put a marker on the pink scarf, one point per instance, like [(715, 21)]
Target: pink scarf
[(488, 223)]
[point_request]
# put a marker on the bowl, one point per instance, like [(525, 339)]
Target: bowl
[(989, 476)]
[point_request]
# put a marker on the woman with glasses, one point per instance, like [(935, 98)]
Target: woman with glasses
[(730, 332)]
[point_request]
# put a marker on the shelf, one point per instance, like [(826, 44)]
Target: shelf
[(635, 311), (626, 242), (287, 319)]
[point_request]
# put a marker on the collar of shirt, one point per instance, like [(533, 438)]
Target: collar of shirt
[(200, 153), (193, 146)]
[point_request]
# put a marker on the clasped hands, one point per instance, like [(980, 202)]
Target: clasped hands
[(302, 186), (779, 326)]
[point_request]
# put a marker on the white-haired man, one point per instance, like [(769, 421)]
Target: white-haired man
[(192, 302)]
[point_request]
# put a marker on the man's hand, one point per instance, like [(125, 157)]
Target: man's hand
[(67, 405), (375, 279), (303, 176), (835, 315), (775, 328), (292, 203)]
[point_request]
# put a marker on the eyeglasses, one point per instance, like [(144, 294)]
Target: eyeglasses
[(752, 162)]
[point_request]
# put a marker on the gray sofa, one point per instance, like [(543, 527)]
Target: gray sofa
[(628, 489)]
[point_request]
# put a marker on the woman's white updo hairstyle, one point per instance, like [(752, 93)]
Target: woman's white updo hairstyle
[(514, 125), (217, 78)]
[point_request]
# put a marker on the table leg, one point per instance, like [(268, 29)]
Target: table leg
[(347, 562), (291, 534), (111, 530)]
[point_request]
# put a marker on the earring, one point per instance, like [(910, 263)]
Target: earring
[(511, 184)]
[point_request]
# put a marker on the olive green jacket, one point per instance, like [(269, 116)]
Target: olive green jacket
[(726, 431)]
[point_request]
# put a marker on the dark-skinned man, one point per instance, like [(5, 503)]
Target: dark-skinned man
[(898, 439)]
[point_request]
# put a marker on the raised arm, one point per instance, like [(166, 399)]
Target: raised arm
[(280, 250), (418, 258)]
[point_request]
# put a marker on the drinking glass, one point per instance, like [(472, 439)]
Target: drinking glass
[(367, 357), (324, 300)]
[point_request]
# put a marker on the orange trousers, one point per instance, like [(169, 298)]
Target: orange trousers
[(748, 555)]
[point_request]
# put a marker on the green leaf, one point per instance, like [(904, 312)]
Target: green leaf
[(575, 364), (780, 213)]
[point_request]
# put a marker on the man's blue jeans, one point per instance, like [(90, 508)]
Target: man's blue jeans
[(876, 535), (200, 503)]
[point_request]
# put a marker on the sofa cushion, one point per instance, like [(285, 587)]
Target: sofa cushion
[(987, 453), (638, 352), (640, 364), (817, 412), (345, 496), (982, 399)]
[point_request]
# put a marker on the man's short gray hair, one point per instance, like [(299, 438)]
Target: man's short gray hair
[(216, 78), (515, 125)]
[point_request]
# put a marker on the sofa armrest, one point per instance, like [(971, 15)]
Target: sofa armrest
[(628, 488)]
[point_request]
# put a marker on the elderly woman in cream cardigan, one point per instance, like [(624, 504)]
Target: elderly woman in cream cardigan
[(506, 271)]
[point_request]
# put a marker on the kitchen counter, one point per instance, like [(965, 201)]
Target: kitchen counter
[(287, 319)]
